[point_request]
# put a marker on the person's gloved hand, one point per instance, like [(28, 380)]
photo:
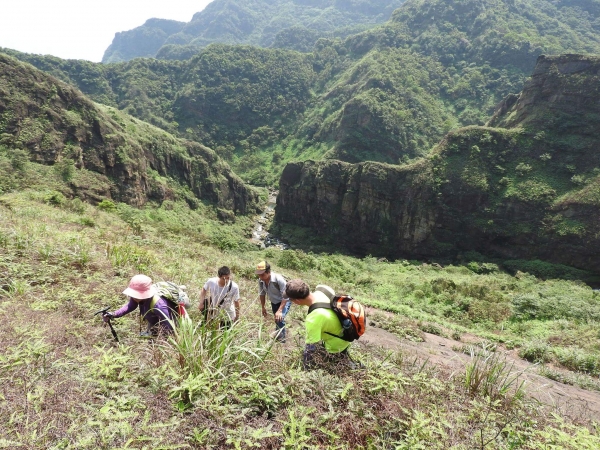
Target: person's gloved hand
[(107, 316)]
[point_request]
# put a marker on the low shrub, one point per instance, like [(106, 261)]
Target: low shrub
[(483, 268), (86, 221), (440, 285), (55, 198), (76, 205), (574, 379), (536, 352), (107, 205), (545, 307), (577, 360), (296, 260), (431, 329), (546, 270), (481, 311), (333, 266)]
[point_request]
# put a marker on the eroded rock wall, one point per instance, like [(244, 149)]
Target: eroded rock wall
[(527, 187), (367, 207)]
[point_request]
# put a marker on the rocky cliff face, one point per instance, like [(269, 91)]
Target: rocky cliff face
[(530, 189), (54, 122), (367, 207), (563, 90)]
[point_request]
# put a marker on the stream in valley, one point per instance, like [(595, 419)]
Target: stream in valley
[(260, 236)]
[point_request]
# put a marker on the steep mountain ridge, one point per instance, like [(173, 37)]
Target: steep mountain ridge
[(388, 94), (141, 42), (54, 122), (266, 23), (509, 33), (530, 190)]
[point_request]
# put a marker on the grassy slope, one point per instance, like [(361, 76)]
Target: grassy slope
[(67, 385)]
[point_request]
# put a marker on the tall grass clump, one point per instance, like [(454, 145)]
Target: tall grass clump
[(207, 354), (489, 374), (206, 345), (127, 255)]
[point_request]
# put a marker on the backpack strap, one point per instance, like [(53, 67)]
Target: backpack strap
[(226, 294), (318, 305), (153, 303), (324, 306), (171, 305)]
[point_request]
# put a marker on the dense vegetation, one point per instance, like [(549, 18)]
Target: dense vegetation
[(387, 94), (525, 190), (66, 384), (47, 121), (293, 24)]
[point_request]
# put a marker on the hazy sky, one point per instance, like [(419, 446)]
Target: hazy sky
[(81, 29)]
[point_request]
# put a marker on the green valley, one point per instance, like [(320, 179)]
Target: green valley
[(388, 94), (441, 167)]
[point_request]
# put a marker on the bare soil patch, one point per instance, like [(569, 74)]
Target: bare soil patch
[(566, 400)]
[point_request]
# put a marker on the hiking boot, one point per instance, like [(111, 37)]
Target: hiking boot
[(278, 335), (355, 365)]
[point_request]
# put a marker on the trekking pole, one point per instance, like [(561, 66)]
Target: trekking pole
[(104, 312)]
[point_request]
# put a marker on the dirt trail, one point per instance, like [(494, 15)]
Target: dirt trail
[(564, 399)]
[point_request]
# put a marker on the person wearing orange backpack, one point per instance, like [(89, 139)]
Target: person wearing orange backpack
[(324, 332)]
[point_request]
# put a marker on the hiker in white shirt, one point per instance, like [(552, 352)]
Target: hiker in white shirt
[(221, 293)]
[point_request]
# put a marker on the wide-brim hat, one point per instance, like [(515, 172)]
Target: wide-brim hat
[(140, 287)]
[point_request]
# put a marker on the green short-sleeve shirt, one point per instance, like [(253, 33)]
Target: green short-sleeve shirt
[(322, 321)]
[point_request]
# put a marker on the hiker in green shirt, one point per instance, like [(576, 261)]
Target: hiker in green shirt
[(323, 327)]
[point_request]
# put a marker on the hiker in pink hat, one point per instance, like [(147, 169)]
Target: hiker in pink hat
[(154, 309)]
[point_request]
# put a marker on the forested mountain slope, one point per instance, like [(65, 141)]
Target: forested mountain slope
[(141, 42), (388, 94), (295, 24), (527, 189), (103, 152)]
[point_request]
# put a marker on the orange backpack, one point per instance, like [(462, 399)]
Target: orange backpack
[(350, 313)]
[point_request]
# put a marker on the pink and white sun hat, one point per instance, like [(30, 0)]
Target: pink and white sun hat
[(140, 287)]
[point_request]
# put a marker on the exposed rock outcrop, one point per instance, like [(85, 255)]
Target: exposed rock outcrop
[(367, 207), (54, 121)]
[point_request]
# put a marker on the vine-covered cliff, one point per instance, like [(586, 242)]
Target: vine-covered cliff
[(529, 189)]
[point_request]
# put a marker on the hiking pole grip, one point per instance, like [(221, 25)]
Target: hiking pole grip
[(104, 312)]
